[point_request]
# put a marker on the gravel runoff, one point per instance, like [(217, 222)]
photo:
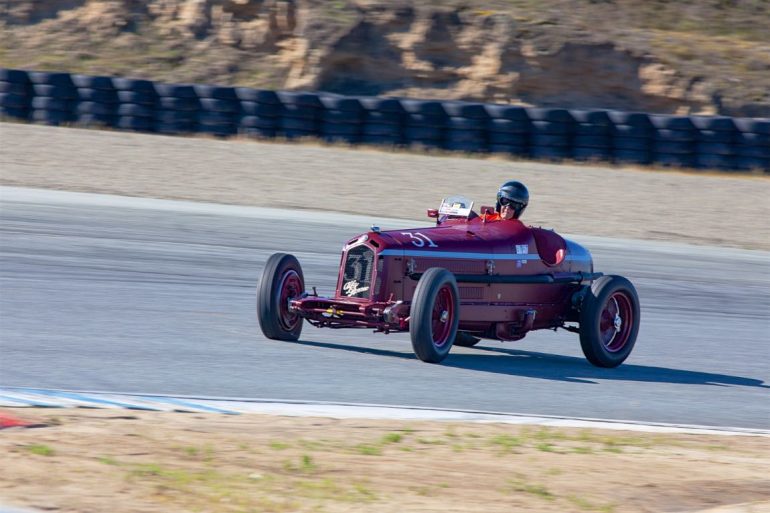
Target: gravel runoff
[(627, 203)]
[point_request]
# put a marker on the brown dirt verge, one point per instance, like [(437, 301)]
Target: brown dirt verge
[(700, 208), (121, 461)]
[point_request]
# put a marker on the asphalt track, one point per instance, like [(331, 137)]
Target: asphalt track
[(151, 296)]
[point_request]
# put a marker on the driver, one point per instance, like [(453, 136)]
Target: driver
[(512, 199)]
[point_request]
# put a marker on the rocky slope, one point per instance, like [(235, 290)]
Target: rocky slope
[(706, 57)]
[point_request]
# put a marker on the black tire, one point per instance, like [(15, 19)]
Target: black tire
[(217, 105), (176, 91), (17, 76), (596, 326), (300, 99), (437, 288), (257, 95), (259, 122), (215, 92), (465, 339), (508, 138), (377, 104), (424, 107), (510, 112), (591, 117), (553, 115), (465, 110), (91, 82), (379, 129), (134, 84), (281, 277), (341, 116), (384, 118), (340, 103), (98, 95), (136, 97)]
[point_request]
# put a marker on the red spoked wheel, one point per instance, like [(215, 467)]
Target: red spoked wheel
[(434, 315), (282, 280), (609, 321)]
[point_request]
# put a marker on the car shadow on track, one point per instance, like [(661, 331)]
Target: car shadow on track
[(532, 364)]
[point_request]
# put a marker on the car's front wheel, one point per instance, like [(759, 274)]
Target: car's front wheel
[(434, 315), (282, 280), (609, 321)]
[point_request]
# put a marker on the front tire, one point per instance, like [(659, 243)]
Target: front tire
[(609, 321), (282, 280), (434, 315)]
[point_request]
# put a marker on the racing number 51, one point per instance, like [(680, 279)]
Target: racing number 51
[(419, 239)]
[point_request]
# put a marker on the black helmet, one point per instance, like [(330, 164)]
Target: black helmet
[(516, 193)]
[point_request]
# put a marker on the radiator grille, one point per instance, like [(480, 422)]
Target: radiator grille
[(471, 292), (357, 278)]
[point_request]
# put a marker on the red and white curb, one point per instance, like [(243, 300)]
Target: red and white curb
[(16, 397)]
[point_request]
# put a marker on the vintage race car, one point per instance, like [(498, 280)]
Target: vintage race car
[(466, 278)]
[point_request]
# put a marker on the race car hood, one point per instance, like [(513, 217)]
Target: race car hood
[(473, 236)]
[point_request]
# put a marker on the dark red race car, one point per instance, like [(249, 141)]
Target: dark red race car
[(465, 279)]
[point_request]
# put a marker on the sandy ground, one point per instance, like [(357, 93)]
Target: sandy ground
[(722, 210), (103, 460), (132, 462)]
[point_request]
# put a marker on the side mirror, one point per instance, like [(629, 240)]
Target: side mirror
[(433, 213)]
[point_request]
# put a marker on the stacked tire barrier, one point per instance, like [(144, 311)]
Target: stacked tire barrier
[(260, 112), (98, 101), (341, 119), (700, 142), (178, 109), (138, 103), (55, 98), (15, 94)]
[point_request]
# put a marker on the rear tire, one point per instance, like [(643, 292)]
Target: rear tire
[(282, 280), (434, 315), (609, 321)]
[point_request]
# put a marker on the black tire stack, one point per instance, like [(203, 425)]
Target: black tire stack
[(178, 109), (466, 127), (752, 144), (138, 103), (424, 123), (592, 135), (714, 142), (631, 137), (260, 112), (15, 94), (97, 101), (552, 131), (301, 116), (220, 110), (55, 98), (341, 118), (673, 141), (508, 129), (383, 121)]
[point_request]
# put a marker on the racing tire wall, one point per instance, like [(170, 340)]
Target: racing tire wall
[(699, 142)]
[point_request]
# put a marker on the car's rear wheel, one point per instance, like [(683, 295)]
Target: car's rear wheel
[(609, 321), (282, 280), (434, 315)]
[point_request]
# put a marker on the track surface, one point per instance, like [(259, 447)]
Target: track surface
[(151, 296)]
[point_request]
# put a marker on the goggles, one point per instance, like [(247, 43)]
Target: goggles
[(505, 202)]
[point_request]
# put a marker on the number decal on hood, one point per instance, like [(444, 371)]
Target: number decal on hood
[(419, 239)]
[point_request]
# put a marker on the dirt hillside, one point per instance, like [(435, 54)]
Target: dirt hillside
[(711, 56)]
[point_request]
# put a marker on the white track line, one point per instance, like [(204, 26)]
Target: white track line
[(16, 397)]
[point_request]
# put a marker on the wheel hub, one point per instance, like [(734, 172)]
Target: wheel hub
[(444, 316), (617, 323)]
